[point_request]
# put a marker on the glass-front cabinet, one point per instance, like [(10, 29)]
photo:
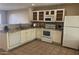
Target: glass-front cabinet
[(35, 16), (56, 15), (47, 12), (38, 15), (60, 15), (52, 12), (41, 16)]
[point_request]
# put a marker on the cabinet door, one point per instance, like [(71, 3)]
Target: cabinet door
[(57, 36), (47, 12), (31, 34), (24, 36), (41, 16), (59, 15), (14, 39), (38, 33), (52, 12), (35, 16)]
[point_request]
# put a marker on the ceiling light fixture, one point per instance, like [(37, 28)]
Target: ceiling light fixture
[(33, 4)]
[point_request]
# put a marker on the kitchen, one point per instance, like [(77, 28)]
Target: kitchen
[(42, 23)]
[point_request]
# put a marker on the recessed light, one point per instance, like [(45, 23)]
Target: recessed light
[(33, 4)]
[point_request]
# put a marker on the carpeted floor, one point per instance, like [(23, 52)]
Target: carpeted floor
[(40, 48)]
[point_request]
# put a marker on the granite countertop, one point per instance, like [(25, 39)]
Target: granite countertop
[(15, 29)]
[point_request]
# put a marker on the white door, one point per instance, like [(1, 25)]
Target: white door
[(14, 39), (71, 37)]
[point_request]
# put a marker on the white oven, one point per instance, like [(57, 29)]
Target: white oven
[(47, 35)]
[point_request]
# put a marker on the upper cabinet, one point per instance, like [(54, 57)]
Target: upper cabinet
[(49, 16), (41, 16), (38, 15), (52, 12), (60, 15), (56, 15), (35, 15), (49, 12)]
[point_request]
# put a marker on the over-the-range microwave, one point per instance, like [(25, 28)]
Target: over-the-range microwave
[(49, 19)]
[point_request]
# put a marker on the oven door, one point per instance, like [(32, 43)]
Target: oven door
[(46, 33), (47, 36)]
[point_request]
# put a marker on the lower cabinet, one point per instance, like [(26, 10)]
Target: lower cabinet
[(31, 34), (39, 33), (14, 39), (24, 36), (11, 40), (57, 36), (28, 35)]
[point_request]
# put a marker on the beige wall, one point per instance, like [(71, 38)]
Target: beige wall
[(70, 9)]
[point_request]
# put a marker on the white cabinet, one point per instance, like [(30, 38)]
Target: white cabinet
[(28, 35), (60, 13), (24, 36), (57, 15), (31, 34), (38, 15), (20, 37), (38, 33), (13, 39), (57, 36), (35, 16), (49, 12)]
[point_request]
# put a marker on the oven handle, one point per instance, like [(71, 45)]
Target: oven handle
[(47, 37)]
